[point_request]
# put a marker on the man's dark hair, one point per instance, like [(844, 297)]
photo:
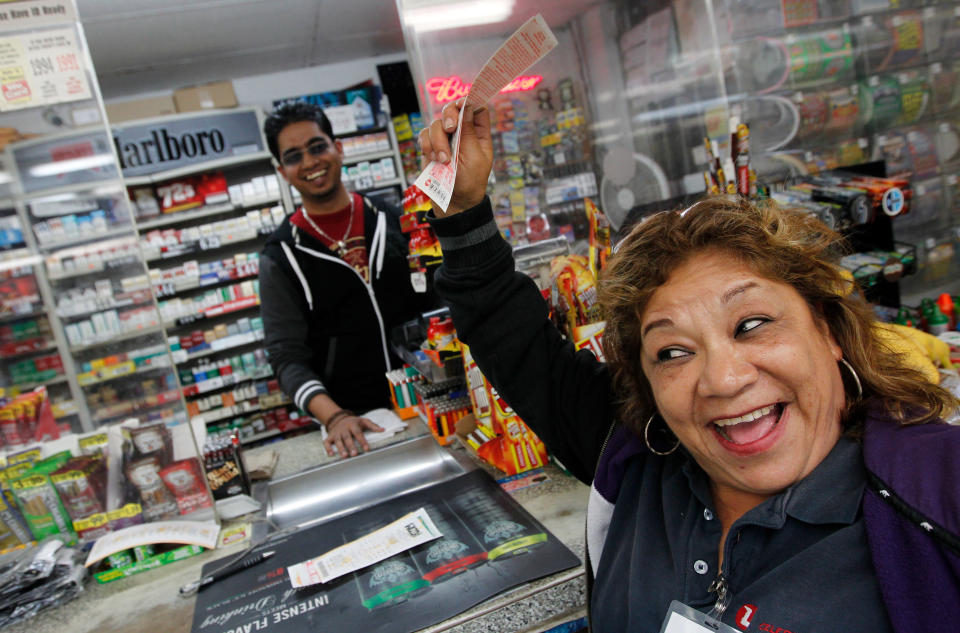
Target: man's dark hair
[(292, 112)]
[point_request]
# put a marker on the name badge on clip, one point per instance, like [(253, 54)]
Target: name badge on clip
[(683, 619)]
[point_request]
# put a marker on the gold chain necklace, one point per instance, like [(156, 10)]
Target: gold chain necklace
[(339, 246)]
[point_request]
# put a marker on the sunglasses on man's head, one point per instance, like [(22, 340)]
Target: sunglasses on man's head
[(293, 157)]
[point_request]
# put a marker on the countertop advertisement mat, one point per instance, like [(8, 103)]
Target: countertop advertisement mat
[(405, 593)]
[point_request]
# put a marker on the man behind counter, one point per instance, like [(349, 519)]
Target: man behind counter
[(334, 281)]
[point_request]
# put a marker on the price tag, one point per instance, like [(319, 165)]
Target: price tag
[(126, 512), (93, 440), (91, 522), (70, 475), (419, 281)]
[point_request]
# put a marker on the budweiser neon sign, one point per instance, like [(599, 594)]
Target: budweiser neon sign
[(446, 89)]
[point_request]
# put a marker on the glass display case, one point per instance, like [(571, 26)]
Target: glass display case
[(93, 426), (822, 85)]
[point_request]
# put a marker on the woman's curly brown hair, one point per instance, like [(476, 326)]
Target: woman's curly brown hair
[(780, 244)]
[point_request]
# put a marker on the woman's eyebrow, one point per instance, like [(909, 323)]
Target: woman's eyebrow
[(729, 295), (655, 324)]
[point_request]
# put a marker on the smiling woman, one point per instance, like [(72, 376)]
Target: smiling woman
[(755, 451), (791, 250)]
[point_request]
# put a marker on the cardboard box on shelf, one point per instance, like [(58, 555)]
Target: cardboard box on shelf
[(121, 111), (218, 94)]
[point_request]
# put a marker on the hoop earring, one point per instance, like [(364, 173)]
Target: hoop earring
[(856, 378), (646, 439)]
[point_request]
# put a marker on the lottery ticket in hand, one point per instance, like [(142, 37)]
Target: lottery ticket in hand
[(530, 43)]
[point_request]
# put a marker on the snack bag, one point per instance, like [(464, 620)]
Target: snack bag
[(152, 440), (81, 484), (13, 531), (517, 448), (24, 457), (600, 247), (590, 338), (94, 445), (477, 388), (185, 480), (40, 506), (576, 290), (157, 501)]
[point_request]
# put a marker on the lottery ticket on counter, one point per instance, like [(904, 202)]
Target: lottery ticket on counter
[(405, 533), (530, 43)]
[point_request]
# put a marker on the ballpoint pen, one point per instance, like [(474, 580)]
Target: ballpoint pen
[(244, 563)]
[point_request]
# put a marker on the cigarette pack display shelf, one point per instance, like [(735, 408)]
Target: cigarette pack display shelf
[(221, 382), (29, 386), (207, 206), (123, 371), (211, 165), (140, 297), (353, 159), (123, 335), (223, 309), (247, 406), (200, 247), (83, 235), (60, 191), (220, 345), (204, 212), (258, 437), (171, 290), (16, 316)]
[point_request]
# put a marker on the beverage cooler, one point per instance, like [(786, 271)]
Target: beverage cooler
[(638, 98)]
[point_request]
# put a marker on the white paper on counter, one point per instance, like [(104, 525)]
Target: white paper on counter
[(405, 533), (201, 533), (530, 43), (388, 421)]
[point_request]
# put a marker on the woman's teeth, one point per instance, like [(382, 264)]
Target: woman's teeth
[(749, 427), (746, 417)]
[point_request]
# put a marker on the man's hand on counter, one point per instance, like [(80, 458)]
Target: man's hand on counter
[(344, 428), (346, 433)]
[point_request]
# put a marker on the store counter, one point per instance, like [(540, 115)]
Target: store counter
[(150, 602)]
